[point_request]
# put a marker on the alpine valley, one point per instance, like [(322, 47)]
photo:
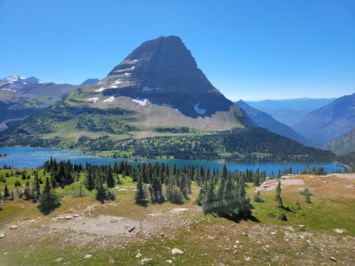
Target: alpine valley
[(157, 104)]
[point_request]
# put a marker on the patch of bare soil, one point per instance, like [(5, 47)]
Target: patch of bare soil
[(83, 229), (270, 185), (346, 176)]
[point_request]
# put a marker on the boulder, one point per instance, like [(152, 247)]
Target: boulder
[(177, 251)]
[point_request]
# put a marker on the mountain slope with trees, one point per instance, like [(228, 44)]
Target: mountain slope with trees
[(266, 121)]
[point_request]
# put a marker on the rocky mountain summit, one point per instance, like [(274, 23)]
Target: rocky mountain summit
[(164, 72), (155, 103)]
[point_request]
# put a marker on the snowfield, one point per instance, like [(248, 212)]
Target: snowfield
[(147, 89), (93, 100), (199, 110), (140, 102), (100, 90), (109, 100)]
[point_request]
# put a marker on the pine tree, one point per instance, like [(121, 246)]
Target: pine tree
[(48, 200), (220, 191), (201, 195), (224, 172), (278, 198), (229, 190), (110, 180), (141, 194), (36, 193), (173, 194), (27, 195), (156, 191), (210, 198), (90, 181), (101, 194), (6, 192), (257, 178), (257, 197)]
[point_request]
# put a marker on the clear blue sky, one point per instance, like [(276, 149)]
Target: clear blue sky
[(266, 49)]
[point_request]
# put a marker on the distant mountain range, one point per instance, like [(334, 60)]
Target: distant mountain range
[(329, 122), (20, 97), (155, 103), (289, 111), (266, 121)]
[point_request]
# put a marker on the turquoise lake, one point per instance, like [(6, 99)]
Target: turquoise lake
[(28, 157)]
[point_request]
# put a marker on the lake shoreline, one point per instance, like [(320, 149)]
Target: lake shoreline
[(144, 159), (31, 157)]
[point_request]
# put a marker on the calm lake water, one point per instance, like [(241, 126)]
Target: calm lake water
[(27, 157)]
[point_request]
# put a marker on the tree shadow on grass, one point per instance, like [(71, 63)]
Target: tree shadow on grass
[(143, 203), (238, 219), (287, 208)]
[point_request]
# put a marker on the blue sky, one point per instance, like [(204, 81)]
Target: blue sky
[(251, 50)]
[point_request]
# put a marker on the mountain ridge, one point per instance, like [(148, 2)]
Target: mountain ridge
[(289, 111), (330, 121), (20, 97), (266, 121), (156, 103)]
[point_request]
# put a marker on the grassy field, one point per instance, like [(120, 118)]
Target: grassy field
[(321, 232)]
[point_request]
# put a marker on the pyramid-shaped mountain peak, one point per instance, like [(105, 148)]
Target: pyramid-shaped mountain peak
[(164, 71)]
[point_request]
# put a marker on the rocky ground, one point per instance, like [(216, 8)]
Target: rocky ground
[(84, 232)]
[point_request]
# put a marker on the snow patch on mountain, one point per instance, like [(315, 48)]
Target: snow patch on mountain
[(8, 90), (100, 90), (140, 102), (199, 110), (93, 100), (147, 89), (17, 79), (109, 100)]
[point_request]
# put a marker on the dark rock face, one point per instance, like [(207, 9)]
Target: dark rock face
[(164, 71)]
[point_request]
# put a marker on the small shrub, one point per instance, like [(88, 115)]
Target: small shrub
[(111, 196), (283, 217), (257, 197), (298, 205), (307, 194)]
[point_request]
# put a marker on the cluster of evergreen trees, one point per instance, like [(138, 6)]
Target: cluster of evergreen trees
[(62, 173), (31, 191), (159, 178), (223, 194), (47, 199)]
